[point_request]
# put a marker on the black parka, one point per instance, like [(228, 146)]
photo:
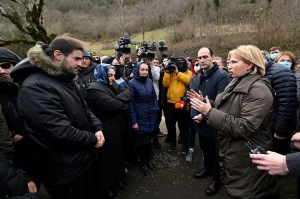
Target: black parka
[(56, 118)]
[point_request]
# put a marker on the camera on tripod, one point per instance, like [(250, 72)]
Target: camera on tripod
[(162, 46), (123, 42), (145, 47)]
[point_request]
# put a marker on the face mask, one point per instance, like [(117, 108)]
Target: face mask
[(144, 78), (197, 68), (273, 56), (286, 64)]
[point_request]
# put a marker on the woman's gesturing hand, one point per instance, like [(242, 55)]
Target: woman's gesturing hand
[(192, 94), (202, 107)]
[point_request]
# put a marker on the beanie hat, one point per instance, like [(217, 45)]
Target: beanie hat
[(8, 56), (86, 54)]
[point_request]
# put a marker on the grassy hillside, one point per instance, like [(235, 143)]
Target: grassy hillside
[(186, 25), (106, 46)]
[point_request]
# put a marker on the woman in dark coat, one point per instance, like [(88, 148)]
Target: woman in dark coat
[(143, 113), (109, 102)]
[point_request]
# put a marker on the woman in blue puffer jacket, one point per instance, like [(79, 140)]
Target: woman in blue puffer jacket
[(143, 113)]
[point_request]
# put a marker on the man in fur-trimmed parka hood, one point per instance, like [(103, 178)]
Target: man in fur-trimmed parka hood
[(64, 131)]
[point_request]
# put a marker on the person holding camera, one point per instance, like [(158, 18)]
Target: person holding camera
[(176, 79), (241, 114)]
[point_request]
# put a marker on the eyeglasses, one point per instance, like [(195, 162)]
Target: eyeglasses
[(5, 65)]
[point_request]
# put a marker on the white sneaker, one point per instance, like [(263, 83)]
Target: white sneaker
[(190, 155)]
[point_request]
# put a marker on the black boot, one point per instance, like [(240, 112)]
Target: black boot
[(109, 194), (167, 138), (156, 144), (144, 170), (171, 147), (151, 166), (121, 184)]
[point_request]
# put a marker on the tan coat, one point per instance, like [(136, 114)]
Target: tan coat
[(246, 110)]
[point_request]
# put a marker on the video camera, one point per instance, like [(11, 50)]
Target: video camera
[(170, 66), (145, 47), (162, 46), (123, 42)]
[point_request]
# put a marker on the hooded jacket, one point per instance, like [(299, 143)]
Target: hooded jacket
[(9, 118), (243, 110), (143, 107), (6, 141), (87, 76), (56, 118), (8, 56)]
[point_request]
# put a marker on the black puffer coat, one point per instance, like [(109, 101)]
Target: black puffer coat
[(13, 181), (285, 102), (56, 118)]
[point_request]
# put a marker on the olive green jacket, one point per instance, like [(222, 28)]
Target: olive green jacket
[(246, 109), (6, 141)]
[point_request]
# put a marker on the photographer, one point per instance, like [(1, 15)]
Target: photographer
[(123, 59), (176, 79)]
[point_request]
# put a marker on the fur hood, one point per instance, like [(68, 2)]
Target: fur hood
[(36, 60)]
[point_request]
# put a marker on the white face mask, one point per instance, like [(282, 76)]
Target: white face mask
[(197, 68)]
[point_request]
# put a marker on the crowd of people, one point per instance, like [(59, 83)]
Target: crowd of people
[(73, 120)]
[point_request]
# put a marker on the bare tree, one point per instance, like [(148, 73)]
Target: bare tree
[(121, 20), (27, 16), (142, 8)]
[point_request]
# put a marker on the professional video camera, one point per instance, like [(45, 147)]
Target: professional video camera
[(170, 65), (162, 46), (123, 42), (145, 47), (174, 62)]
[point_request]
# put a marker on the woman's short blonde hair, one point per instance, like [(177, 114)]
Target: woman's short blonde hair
[(250, 54)]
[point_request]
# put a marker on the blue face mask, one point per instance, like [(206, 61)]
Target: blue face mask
[(286, 64), (273, 56)]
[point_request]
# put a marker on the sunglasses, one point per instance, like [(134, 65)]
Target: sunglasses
[(5, 65)]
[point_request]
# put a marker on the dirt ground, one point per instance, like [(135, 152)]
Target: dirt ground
[(174, 178)]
